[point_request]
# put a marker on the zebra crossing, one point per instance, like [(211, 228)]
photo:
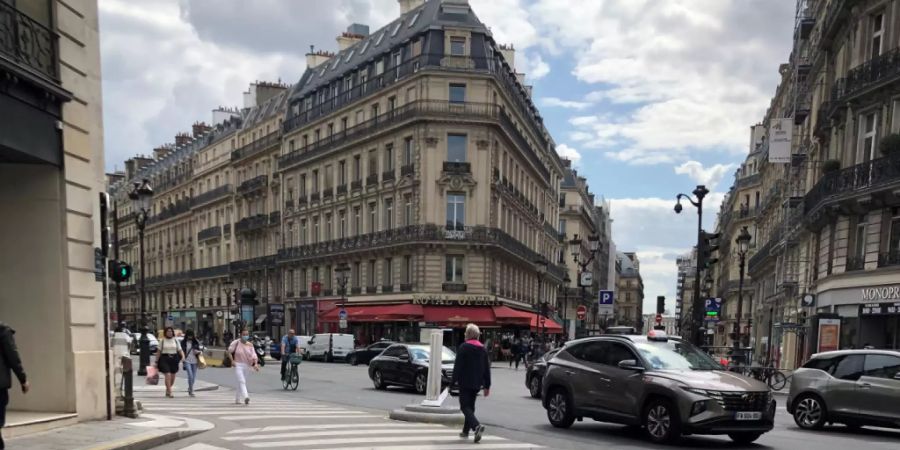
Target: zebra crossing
[(271, 422)]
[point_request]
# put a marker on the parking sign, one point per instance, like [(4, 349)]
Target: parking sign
[(606, 303)]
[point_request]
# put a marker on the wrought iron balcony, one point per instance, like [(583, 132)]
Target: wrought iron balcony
[(342, 189), (355, 185), (262, 262), (457, 167), (891, 258), (275, 218), (880, 174), (209, 233), (173, 210), (210, 272), (453, 287), (327, 292), (327, 193), (126, 241), (289, 204), (254, 184), (372, 180), (371, 289), (169, 278), (388, 175), (355, 290), (302, 200), (837, 10), (212, 195), (856, 263), (252, 223), (226, 229), (407, 169), (406, 287), (302, 293), (314, 197), (387, 288), (266, 142), (880, 70), (28, 43)]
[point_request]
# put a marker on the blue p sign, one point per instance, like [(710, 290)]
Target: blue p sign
[(606, 297)]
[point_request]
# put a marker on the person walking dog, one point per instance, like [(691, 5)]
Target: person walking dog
[(472, 373), (9, 362)]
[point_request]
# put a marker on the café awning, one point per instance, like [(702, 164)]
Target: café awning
[(376, 313), (509, 316), (459, 316)]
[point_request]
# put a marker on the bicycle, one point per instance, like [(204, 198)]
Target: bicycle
[(774, 378), (291, 380)]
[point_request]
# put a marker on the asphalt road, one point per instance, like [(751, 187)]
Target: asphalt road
[(511, 413)]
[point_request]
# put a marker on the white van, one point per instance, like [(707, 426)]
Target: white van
[(330, 346)]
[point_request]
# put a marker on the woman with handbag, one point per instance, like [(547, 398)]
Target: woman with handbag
[(167, 358), (192, 351), (244, 356)]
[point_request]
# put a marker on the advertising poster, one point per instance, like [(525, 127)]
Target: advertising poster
[(829, 335), (781, 134)]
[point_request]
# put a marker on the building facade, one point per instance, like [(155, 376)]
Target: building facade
[(629, 303), (406, 180), (51, 174)]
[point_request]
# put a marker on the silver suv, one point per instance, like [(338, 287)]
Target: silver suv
[(853, 387), (665, 385)]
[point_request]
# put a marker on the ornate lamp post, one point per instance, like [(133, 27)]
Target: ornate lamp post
[(699, 192), (541, 266), (342, 273), (743, 242), (141, 196), (575, 250), (566, 280)]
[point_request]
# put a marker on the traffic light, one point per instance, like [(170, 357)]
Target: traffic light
[(708, 245), (119, 271)]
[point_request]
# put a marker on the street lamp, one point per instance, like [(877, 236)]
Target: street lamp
[(699, 192), (541, 266), (566, 280), (342, 272), (743, 242), (140, 196), (575, 250)]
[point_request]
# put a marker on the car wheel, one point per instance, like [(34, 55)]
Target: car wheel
[(534, 386), (421, 383), (810, 412), (661, 421), (353, 361), (560, 409), (744, 438), (378, 380)]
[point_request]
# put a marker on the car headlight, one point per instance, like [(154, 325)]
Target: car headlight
[(715, 395)]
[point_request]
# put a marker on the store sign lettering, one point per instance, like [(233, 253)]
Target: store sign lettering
[(879, 309), (448, 300), (881, 293)]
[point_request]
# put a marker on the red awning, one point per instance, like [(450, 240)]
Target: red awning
[(550, 326), (459, 315), (507, 315), (376, 313)]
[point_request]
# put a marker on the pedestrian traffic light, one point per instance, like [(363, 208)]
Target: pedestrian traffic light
[(708, 245), (119, 271)]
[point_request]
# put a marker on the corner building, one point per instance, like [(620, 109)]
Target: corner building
[(415, 156)]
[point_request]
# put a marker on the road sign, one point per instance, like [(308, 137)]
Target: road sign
[(607, 303), (808, 300), (659, 319), (581, 312), (587, 279), (343, 324), (713, 308), (342, 314), (543, 320)]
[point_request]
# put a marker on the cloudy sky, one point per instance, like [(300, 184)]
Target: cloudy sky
[(648, 97)]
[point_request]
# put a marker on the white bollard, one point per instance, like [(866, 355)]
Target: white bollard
[(433, 395)]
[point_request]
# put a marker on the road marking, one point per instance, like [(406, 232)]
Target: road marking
[(298, 416), (443, 446), (203, 447), (304, 434), (330, 426), (454, 436)]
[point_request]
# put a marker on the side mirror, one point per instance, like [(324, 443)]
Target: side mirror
[(630, 364), (404, 357)]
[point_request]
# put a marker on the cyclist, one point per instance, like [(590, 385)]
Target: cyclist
[(289, 344)]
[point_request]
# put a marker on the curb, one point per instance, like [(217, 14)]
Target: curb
[(147, 440), (442, 419)]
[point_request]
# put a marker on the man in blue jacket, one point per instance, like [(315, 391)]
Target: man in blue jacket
[(9, 362), (471, 372)]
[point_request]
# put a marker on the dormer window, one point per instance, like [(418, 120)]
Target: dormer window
[(365, 46), (458, 46), (396, 28), (349, 55), (380, 38), (414, 19)]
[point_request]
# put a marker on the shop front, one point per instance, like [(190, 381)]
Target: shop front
[(869, 316)]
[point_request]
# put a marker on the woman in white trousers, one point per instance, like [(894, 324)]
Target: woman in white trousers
[(244, 357)]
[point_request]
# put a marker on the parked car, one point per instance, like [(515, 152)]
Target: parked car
[(407, 365), (136, 343), (363, 355), (852, 387), (330, 346), (665, 385), (534, 374)]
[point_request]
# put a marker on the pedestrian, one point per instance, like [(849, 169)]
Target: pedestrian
[(290, 344), (191, 349), (228, 337), (472, 373), (168, 356), (244, 355), (9, 362), (518, 351)]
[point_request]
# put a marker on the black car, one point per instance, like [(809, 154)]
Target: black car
[(407, 365), (363, 355), (534, 374)]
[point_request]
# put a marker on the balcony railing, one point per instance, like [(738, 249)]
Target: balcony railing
[(453, 287), (209, 233), (355, 290), (170, 278), (327, 193), (27, 42), (173, 210), (342, 189), (406, 287), (210, 272), (457, 167), (855, 263), (853, 180), (386, 288), (891, 258), (407, 169), (388, 175), (261, 262), (211, 195), (254, 184), (314, 197), (252, 223), (226, 229), (302, 200), (275, 218), (371, 289), (372, 180), (884, 68), (266, 142), (355, 185)]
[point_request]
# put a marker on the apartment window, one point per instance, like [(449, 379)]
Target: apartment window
[(343, 124), (456, 210), (342, 172), (408, 151), (388, 157), (328, 228), (290, 281), (357, 220), (291, 145), (388, 213), (370, 273), (392, 103), (458, 46), (379, 66), (388, 272), (315, 181), (316, 136), (303, 185), (895, 116), (894, 238), (303, 232), (375, 109), (356, 274), (331, 129), (562, 226), (343, 224), (407, 269), (357, 171), (407, 209), (877, 34), (456, 147), (360, 117), (329, 177), (859, 246), (453, 270), (457, 93), (315, 236), (868, 131), (305, 140), (416, 47), (290, 234), (373, 162)]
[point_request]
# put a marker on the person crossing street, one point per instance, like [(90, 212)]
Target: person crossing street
[(472, 373), (290, 344)]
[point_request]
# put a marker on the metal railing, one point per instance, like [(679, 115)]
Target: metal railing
[(27, 42), (266, 142), (253, 184), (891, 258), (209, 233), (210, 272), (880, 69), (173, 210), (251, 223), (211, 195), (261, 262), (457, 167), (855, 263), (853, 180), (406, 170)]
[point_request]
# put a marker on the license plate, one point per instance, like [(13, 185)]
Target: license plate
[(747, 416)]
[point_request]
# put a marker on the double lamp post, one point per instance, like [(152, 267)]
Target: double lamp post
[(575, 250), (141, 196)]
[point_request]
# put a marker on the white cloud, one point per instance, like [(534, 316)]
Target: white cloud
[(569, 153), (558, 102), (709, 176), (532, 65)]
